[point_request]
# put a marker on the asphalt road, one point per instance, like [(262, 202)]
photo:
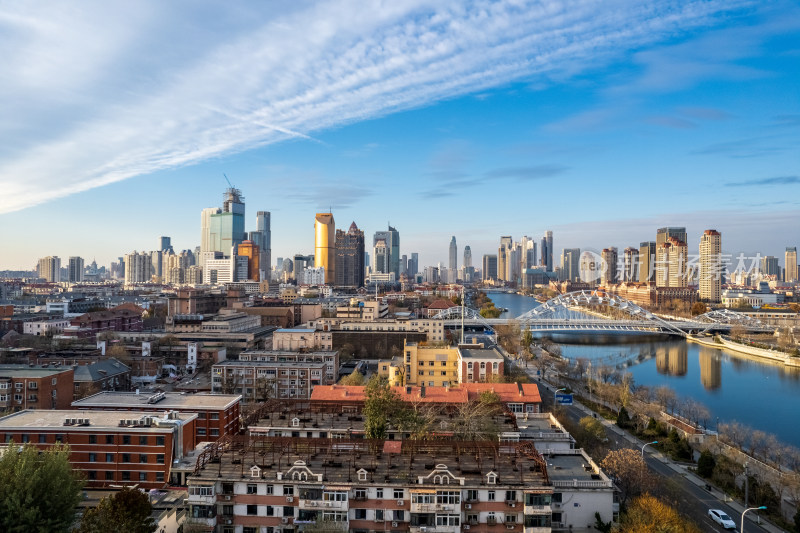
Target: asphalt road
[(693, 501)]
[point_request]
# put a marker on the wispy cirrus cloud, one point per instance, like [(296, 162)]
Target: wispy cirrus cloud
[(779, 180), (100, 92)]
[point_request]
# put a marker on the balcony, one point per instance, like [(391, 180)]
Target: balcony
[(323, 505), (434, 507), (435, 529), (537, 530), (538, 509), (204, 500)]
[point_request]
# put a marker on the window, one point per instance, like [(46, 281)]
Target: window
[(379, 515), (444, 373), (160, 476), (430, 384), (201, 431), (252, 488), (92, 475), (92, 439), (42, 438), (361, 514), (143, 441), (421, 363), (159, 441), (361, 494), (160, 458), (472, 495), (270, 510), (109, 439), (142, 476), (214, 416), (26, 438), (109, 457), (288, 490), (252, 509), (126, 458), (399, 494), (448, 520), (511, 519), (448, 497), (432, 372), (214, 432), (421, 372), (59, 438), (126, 476), (335, 496), (431, 363), (143, 458), (126, 439), (269, 490), (201, 416), (398, 514), (249, 529), (92, 457), (490, 497), (201, 490), (109, 475), (379, 494)]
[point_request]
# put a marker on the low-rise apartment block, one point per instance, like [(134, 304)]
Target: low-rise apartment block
[(217, 414), (329, 357), (110, 447), (442, 366), (35, 387), (301, 339), (260, 380)]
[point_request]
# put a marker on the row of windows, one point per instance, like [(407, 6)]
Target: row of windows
[(126, 440), (433, 373), (127, 458), (125, 475)]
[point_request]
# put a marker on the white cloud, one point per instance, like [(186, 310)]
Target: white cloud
[(99, 92)]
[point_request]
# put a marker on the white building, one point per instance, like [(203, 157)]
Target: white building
[(45, 327)]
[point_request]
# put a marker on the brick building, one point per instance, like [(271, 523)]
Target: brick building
[(110, 447), (217, 414), (96, 322), (35, 387)]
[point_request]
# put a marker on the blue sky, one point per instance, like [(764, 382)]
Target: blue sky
[(598, 120)]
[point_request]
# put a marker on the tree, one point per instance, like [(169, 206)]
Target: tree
[(381, 405), (648, 514), (629, 471), (38, 490), (128, 510), (354, 378), (593, 428), (474, 420), (698, 308), (623, 419), (120, 353), (527, 341), (706, 464)]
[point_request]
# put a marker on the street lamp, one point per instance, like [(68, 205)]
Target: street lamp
[(648, 444), (555, 395), (750, 509)]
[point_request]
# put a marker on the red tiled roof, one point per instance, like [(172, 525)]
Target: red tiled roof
[(441, 304), (507, 392)]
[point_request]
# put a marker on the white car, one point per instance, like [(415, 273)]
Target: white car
[(721, 518)]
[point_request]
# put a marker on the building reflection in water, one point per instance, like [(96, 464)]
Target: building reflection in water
[(710, 368), (673, 360)]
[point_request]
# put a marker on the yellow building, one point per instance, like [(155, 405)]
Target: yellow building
[(325, 245), (423, 365)]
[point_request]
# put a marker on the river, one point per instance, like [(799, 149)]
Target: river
[(762, 395)]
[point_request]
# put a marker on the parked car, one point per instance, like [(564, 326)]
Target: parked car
[(721, 518)]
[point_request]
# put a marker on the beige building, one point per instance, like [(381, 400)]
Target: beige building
[(610, 259), (710, 266), (791, 265), (671, 260), (325, 245), (301, 339)]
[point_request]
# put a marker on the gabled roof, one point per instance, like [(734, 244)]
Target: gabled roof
[(100, 370)]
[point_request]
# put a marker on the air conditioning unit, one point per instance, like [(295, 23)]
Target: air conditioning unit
[(556, 505), (394, 524), (227, 497), (509, 526), (468, 506), (228, 521), (400, 502), (466, 526), (512, 504), (290, 499), (285, 519)]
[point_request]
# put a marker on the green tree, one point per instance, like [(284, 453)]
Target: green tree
[(354, 378), (128, 510), (706, 464), (593, 428), (381, 406), (599, 525), (38, 491), (623, 418), (527, 341)]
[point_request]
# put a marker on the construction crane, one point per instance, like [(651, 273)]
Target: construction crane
[(229, 181)]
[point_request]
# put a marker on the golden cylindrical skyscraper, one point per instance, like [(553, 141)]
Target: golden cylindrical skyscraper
[(325, 245)]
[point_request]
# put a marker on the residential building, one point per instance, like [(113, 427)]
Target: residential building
[(710, 266), (217, 414), (503, 257), (138, 268), (477, 364), (50, 269), (264, 230), (260, 380), (489, 267), (570, 264), (665, 236), (312, 354), (109, 447), (547, 251), (103, 375), (301, 339), (610, 274), (75, 269), (251, 251), (671, 263), (325, 245), (116, 319), (442, 366), (349, 269), (35, 387), (631, 264), (770, 267), (46, 327)]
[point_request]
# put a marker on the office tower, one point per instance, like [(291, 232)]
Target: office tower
[(350, 257), (391, 241), (225, 269), (790, 265), (413, 265), (207, 240), (548, 240), (631, 264), (263, 227), (279, 264), (138, 267), (570, 264), (381, 257), (664, 234), (647, 259), (223, 229), (490, 267), (528, 253), (287, 268), (770, 267), (325, 245), (166, 244), (453, 264), (404, 264), (590, 270), (50, 268), (710, 266), (75, 270), (610, 275), (252, 252), (300, 263), (467, 257), (502, 258)]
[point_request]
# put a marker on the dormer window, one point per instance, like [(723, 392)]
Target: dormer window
[(295, 422), (362, 475), (491, 478)]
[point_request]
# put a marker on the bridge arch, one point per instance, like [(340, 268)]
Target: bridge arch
[(455, 313)]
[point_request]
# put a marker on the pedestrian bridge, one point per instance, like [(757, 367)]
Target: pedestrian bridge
[(597, 312)]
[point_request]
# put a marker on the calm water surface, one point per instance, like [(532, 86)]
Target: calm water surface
[(760, 394)]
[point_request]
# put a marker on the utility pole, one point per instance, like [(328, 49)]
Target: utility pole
[(746, 485)]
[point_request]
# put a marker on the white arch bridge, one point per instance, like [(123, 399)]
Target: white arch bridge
[(597, 312)]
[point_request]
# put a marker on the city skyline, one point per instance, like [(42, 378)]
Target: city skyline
[(646, 117)]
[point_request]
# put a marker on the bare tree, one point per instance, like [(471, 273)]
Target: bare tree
[(629, 471)]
